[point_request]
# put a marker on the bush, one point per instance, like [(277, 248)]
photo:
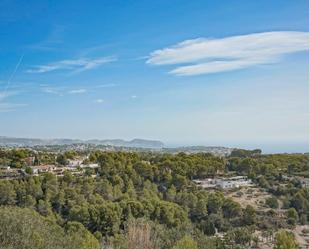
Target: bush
[(25, 228), (186, 243), (285, 240), (29, 170), (272, 202)]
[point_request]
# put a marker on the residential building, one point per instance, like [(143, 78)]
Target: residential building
[(90, 165), (225, 183), (43, 169), (75, 163)]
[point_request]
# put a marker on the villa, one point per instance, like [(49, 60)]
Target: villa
[(224, 183)]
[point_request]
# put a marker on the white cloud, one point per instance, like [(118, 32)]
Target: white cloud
[(4, 95), (216, 66), (133, 96), (51, 90), (202, 56), (62, 91), (106, 85), (78, 91), (76, 65), (99, 101), (9, 107)]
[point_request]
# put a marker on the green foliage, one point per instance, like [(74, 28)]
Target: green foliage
[(231, 209), (239, 236), (70, 154), (80, 237), (7, 193), (29, 170), (24, 228), (62, 159), (185, 243), (157, 188), (272, 202), (214, 204), (285, 240), (249, 216), (16, 158), (292, 216), (245, 153)]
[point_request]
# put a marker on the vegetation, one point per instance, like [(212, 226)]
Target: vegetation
[(185, 243), (285, 240), (25, 228), (148, 200), (272, 202)]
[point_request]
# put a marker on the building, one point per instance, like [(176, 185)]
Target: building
[(234, 182), (225, 183), (90, 165), (9, 173), (5, 168), (75, 163), (59, 171), (206, 183), (43, 169)]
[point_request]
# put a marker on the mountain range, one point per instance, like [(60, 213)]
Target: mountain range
[(19, 142)]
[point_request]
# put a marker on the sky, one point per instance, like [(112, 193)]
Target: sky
[(229, 72)]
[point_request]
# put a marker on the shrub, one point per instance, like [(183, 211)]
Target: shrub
[(272, 202)]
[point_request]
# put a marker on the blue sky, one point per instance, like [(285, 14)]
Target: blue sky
[(231, 73)]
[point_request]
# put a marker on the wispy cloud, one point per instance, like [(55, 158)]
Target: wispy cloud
[(6, 105), (99, 101), (202, 55), (4, 95), (9, 107), (52, 90), (77, 91), (76, 65), (106, 85), (62, 91)]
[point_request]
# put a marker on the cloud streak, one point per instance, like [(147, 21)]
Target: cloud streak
[(9, 107), (51, 90), (6, 105), (77, 65), (99, 101), (77, 91), (203, 56), (4, 95)]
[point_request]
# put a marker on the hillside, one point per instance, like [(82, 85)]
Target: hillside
[(19, 142)]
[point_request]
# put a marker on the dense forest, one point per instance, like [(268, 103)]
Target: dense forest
[(148, 200)]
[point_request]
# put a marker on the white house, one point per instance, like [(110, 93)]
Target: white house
[(206, 183), (234, 182), (225, 183), (5, 168), (43, 169), (75, 163), (90, 165)]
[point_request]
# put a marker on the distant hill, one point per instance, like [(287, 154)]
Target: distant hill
[(216, 150), (29, 142), (135, 144)]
